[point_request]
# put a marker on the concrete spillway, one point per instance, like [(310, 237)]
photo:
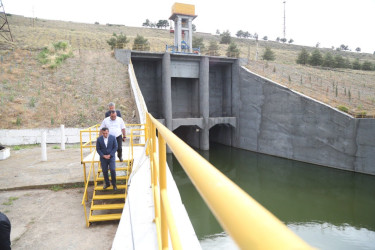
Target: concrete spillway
[(205, 99)]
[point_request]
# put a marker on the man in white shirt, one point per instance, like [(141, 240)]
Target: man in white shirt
[(116, 127)]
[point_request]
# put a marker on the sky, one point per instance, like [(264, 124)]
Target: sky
[(329, 22)]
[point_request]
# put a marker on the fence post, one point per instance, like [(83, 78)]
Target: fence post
[(44, 146), (62, 137)]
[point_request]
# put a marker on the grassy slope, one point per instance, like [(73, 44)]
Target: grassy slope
[(76, 93)]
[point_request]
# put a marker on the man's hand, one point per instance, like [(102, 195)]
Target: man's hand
[(123, 138), (107, 157)]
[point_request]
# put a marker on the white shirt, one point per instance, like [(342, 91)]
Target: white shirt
[(105, 141), (114, 126)]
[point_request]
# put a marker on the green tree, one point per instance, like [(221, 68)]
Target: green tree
[(358, 49), (367, 65), (213, 49), (316, 58), (146, 23), (268, 54), (283, 40), (339, 61), (217, 32), (233, 50), (356, 64), (239, 33), (291, 41), (303, 57), (246, 34), (265, 38), (328, 60), (198, 42), (141, 44), (225, 37), (278, 39), (193, 27)]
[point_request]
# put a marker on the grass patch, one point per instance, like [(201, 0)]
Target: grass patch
[(74, 146), (56, 188), (54, 55), (56, 147), (343, 109), (19, 147), (10, 201)]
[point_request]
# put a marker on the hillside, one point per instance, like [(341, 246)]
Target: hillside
[(76, 92)]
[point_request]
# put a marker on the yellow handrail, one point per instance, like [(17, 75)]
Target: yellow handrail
[(248, 223)]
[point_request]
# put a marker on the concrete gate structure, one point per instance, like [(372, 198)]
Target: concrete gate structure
[(205, 99)]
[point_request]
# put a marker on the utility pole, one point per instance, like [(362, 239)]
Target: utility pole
[(284, 36), (4, 25)]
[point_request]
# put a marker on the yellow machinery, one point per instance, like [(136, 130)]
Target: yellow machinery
[(105, 204)]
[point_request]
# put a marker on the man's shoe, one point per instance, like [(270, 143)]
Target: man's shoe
[(120, 159), (115, 188), (105, 186)]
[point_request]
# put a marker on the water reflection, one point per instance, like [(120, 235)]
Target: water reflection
[(297, 193)]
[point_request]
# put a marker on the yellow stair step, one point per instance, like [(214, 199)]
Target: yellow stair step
[(110, 187), (109, 196), (108, 206), (117, 178), (117, 169), (104, 217)]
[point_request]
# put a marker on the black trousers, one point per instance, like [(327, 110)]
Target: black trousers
[(119, 144), (111, 164)]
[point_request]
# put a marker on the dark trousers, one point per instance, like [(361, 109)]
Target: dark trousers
[(119, 144), (4, 232), (112, 167)]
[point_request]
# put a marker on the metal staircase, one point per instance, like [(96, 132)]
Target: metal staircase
[(106, 204)]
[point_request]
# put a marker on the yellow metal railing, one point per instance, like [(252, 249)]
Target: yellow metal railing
[(249, 224)]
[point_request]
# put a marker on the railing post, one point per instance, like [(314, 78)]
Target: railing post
[(163, 186)]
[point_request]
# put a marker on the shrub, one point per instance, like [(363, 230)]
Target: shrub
[(140, 43), (316, 58), (268, 54), (225, 37), (367, 65), (233, 50), (213, 49), (328, 61), (303, 57), (198, 42), (343, 109), (118, 41)]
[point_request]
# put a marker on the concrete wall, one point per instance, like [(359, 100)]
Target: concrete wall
[(33, 136), (149, 79), (185, 98), (278, 121), (220, 83)]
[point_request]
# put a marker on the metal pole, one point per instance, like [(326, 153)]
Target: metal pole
[(62, 137), (44, 146)]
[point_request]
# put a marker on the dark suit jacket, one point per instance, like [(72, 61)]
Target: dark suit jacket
[(109, 150), (108, 113)]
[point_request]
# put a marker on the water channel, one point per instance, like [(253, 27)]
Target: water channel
[(328, 208)]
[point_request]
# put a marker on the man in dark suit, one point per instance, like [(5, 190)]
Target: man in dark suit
[(106, 146), (112, 107)]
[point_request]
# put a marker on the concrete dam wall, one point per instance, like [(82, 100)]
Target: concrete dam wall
[(203, 99), (278, 121)]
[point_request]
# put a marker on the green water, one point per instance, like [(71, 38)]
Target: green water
[(328, 208)]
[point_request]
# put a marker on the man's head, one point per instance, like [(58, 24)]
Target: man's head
[(111, 106), (105, 132), (113, 114)]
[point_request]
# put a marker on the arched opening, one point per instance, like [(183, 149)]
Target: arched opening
[(189, 134), (222, 133)]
